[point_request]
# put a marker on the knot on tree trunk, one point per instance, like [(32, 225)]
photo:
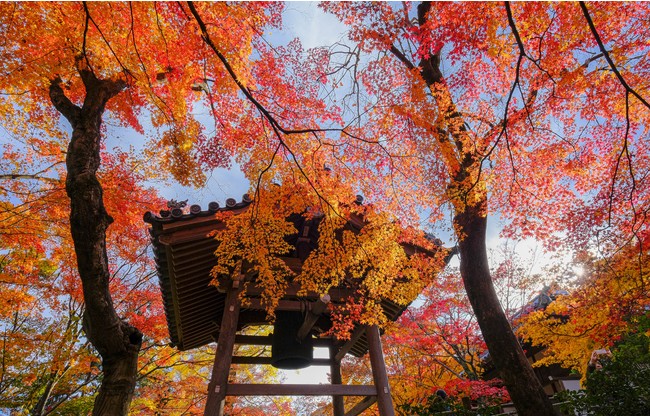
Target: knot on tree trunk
[(133, 335)]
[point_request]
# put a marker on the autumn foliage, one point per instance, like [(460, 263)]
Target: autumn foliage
[(371, 261), (42, 301), (604, 308), (440, 115)]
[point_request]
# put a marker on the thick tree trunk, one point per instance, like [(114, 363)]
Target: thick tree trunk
[(117, 342), (514, 369), (469, 197)]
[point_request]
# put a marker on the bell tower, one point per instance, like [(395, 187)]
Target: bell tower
[(199, 312)]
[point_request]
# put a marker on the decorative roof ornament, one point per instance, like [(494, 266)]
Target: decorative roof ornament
[(176, 207), (174, 204)]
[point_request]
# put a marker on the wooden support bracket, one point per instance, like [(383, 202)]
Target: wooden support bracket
[(365, 403), (356, 334), (316, 310)]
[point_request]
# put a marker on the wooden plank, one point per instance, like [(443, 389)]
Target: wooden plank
[(223, 356), (268, 361), (186, 233), (365, 403), (174, 293), (384, 399), (299, 390)]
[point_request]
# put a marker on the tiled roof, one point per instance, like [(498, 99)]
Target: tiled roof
[(184, 256)]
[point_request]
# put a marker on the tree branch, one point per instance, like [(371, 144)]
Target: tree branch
[(35, 175), (208, 41), (89, 17), (399, 55), (13, 176), (608, 58), (62, 103), (430, 65), (107, 87), (515, 32)]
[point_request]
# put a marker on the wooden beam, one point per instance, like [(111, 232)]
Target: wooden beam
[(269, 360), (268, 340), (315, 311), (336, 294), (384, 399), (335, 374), (254, 339), (365, 403), (222, 360), (299, 390), (283, 305), (356, 334)]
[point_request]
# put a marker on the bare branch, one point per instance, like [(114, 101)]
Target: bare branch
[(35, 176)]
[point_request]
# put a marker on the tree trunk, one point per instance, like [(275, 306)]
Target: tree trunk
[(117, 342), (514, 369), (39, 409), (469, 197)]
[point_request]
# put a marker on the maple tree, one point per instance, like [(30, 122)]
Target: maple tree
[(437, 346), (534, 111), (524, 119), (88, 54), (605, 307), (489, 130)]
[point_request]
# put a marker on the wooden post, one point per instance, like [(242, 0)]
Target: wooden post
[(335, 370), (384, 399), (223, 357)]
